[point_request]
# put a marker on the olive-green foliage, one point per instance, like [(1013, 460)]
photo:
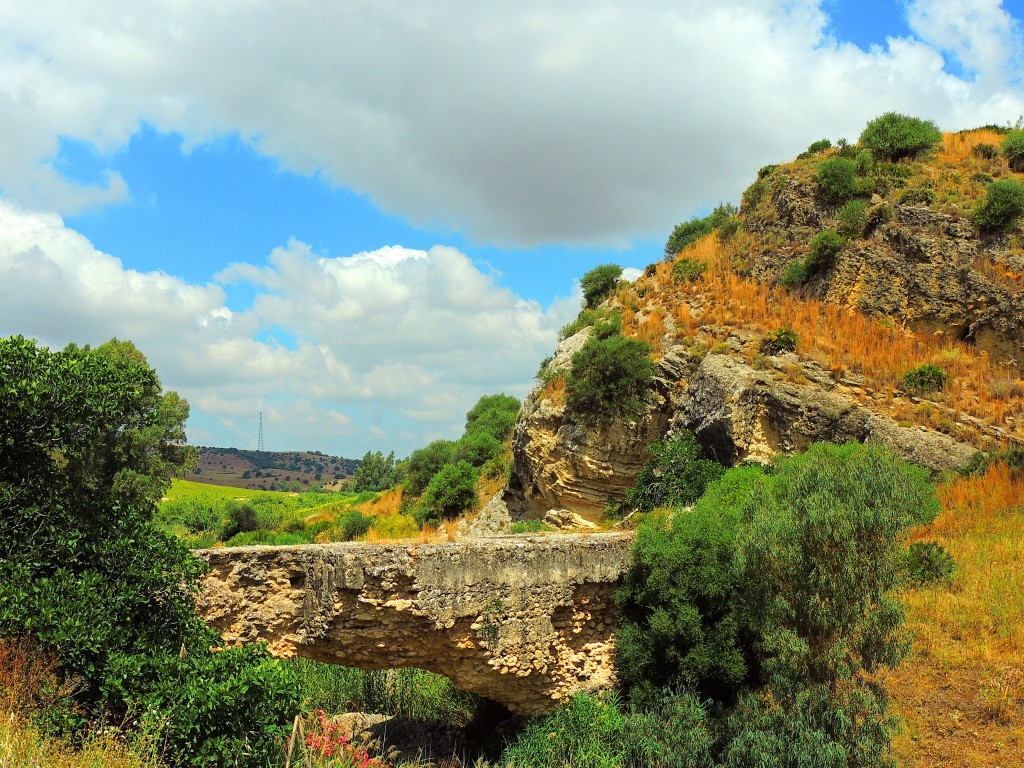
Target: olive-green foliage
[(688, 269), (819, 146), (851, 218), (1002, 207), (693, 230), (609, 377), (599, 283), (676, 473), (1013, 150), (426, 462), (375, 472), (89, 444), (928, 562), (452, 490), (681, 623), (893, 136), (781, 583), (493, 414), (354, 525), (925, 378), (837, 179), (779, 340), (795, 274), (815, 728), (488, 424), (824, 553), (824, 246)]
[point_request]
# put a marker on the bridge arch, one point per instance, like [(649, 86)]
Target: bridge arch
[(526, 621)]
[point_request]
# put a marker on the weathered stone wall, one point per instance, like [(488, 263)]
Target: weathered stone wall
[(525, 621)]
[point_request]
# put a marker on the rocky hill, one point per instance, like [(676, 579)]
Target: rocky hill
[(909, 281)]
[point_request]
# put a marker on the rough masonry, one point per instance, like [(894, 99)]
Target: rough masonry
[(523, 620)]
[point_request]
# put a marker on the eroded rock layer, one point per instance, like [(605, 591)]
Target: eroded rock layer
[(525, 621)]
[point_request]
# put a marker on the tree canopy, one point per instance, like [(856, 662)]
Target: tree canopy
[(88, 444)]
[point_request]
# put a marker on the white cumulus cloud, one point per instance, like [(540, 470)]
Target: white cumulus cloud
[(385, 349)]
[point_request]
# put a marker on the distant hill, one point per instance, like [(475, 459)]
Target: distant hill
[(271, 470)]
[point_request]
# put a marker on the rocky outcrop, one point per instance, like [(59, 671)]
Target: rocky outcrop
[(737, 412), (929, 270), (525, 621)]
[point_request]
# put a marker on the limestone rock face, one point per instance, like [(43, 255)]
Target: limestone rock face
[(562, 464), (737, 412), (526, 621), (924, 268)]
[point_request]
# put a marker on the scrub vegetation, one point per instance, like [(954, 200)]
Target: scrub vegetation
[(837, 607)]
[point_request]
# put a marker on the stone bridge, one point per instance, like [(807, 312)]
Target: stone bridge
[(523, 620)]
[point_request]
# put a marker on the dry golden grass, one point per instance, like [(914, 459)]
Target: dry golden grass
[(961, 692), (840, 338), (957, 149), (388, 503)]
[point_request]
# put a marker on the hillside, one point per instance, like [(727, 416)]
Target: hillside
[(887, 312), (271, 470)]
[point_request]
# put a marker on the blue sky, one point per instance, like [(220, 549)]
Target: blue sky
[(359, 219)]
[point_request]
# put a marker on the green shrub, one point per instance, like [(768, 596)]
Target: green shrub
[(925, 378), (928, 562), (679, 603), (494, 415), (851, 218), (609, 377), (599, 283), (688, 269), (1002, 207), (752, 195), (673, 732), (779, 340), (240, 517), (796, 274), (354, 525), (819, 146), (676, 473), (917, 196), (477, 448), (837, 179), (452, 490), (395, 526), (865, 163), (691, 231), (985, 151), (1013, 150), (893, 136), (824, 247), (424, 463)]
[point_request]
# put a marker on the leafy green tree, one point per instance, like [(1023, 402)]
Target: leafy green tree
[(452, 490), (691, 231), (493, 414), (609, 377), (1002, 207), (681, 622), (893, 136), (837, 179), (599, 283), (477, 447), (675, 474), (88, 443), (426, 462), (375, 472), (1013, 150)]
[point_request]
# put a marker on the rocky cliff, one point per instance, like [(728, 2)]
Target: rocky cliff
[(914, 283)]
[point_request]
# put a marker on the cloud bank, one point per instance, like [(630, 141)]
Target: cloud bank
[(518, 124), (386, 349)]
